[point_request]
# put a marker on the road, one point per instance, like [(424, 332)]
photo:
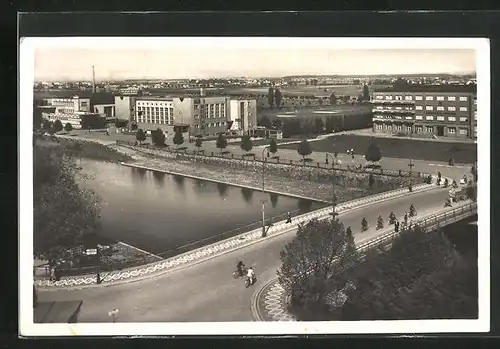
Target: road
[(207, 291)]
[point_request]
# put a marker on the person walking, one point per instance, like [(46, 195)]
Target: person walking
[(288, 218)]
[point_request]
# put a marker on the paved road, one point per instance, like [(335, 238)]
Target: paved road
[(206, 291)]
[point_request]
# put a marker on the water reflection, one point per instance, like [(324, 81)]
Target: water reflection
[(304, 205), (157, 212), (274, 200), (180, 181), (222, 188), (247, 194), (159, 178)]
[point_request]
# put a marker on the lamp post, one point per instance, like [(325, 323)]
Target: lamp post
[(334, 197), (410, 164), (264, 159)]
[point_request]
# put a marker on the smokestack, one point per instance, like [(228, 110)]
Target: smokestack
[(93, 80)]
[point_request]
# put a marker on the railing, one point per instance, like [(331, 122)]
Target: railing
[(280, 162)]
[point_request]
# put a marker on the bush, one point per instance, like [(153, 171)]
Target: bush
[(68, 127), (373, 153), (58, 126), (246, 143), (304, 149), (221, 142), (158, 138), (140, 135), (178, 138)]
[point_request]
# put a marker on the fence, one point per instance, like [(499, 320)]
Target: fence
[(281, 163)]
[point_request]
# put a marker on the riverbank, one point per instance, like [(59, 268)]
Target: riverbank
[(311, 183)]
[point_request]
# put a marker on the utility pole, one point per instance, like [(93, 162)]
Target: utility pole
[(264, 159), (93, 80), (410, 164)]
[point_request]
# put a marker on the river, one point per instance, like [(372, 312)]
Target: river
[(158, 212)]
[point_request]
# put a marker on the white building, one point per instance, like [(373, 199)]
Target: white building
[(152, 113), (243, 114)]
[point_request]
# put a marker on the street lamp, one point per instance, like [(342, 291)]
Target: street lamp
[(410, 164), (334, 197), (264, 159)]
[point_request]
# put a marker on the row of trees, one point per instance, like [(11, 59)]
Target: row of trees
[(328, 279)]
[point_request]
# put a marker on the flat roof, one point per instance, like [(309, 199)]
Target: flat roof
[(430, 89)]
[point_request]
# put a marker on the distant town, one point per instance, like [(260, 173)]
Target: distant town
[(267, 107)]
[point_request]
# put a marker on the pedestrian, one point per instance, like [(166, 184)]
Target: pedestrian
[(396, 226), (288, 218), (406, 218), (52, 273)]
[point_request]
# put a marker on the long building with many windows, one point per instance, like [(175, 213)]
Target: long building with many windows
[(195, 115), (436, 111)]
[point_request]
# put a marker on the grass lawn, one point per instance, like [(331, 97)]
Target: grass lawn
[(397, 148)]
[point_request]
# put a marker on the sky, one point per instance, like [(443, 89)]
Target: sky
[(75, 63)]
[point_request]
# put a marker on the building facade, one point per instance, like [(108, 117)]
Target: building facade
[(435, 113), (243, 114), (152, 113)]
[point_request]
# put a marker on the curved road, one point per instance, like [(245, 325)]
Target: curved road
[(207, 291)]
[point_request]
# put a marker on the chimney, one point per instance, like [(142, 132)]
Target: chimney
[(93, 80)]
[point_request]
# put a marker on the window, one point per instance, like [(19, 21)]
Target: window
[(398, 98), (429, 117), (475, 101), (379, 97), (452, 118), (463, 99), (378, 126), (418, 107), (388, 97), (462, 131), (398, 127), (451, 108), (463, 108), (429, 98), (440, 118), (419, 129), (463, 119), (440, 108), (418, 98), (408, 98), (408, 118), (452, 130), (429, 107), (475, 115), (452, 98), (429, 129), (439, 98)]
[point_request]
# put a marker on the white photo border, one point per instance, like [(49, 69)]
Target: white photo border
[(26, 78)]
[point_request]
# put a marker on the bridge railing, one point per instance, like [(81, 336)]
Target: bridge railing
[(428, 223)]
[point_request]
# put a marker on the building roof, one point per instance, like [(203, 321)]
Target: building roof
[(154, 98), (102, 98), (430, 88)]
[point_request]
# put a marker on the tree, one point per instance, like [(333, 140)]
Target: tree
[(58, 125), (178, 137), (221, 142), (198, 142), (264, 122), (158, 138), (68, 128), (319, 250), (270, 97), (64, 214), (333, 99), (246, 143), (46, 125), (273, 146), (366, 93), (140, 135), (277, 98), (37, 117), (473, 170), (373, 153), (304, 149)]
